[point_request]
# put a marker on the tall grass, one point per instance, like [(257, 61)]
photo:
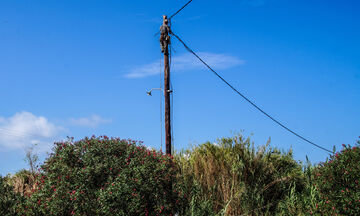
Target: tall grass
[(234, 178)]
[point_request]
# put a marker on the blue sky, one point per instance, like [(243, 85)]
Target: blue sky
[(78, 68)]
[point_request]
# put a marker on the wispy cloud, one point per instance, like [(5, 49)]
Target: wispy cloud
[(92, 121), (187, 62), (24, 129)]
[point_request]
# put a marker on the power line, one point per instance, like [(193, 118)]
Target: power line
[(161, 115), (171, 102), (248, 100), (180, 9)]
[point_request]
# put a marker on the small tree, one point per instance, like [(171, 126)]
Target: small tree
[(338, 182), (31, 158)]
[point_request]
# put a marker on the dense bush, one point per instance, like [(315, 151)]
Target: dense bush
[(302, 202), (8, 198), (338, 183), (235, 178), (102, 176)]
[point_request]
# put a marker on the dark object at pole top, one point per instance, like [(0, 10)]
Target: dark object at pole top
[(164, 34)]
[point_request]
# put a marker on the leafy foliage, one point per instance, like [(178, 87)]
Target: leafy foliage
[(338, 182), (8, 198), (304, 202), (103, 176)]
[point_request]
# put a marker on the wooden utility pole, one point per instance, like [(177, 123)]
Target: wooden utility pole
[(164, 42)]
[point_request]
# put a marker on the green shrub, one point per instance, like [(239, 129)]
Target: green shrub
[(338, 182), (8, 198), (302, 202), (197, 204), (102, 176)]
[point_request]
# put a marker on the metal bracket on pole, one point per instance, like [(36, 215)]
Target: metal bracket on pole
[(149, 92)]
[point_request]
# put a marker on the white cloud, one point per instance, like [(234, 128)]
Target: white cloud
[(25, 129), (92, 121), (187, 62)]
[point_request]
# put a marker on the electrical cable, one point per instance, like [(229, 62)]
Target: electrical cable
[(172, 118), (161, 116), (171, 105), (248, 100), (180, 10)]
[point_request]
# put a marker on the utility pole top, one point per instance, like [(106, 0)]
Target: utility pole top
[(164, 35), (164, 18)]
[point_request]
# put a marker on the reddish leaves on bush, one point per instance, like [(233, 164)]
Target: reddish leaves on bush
[(337, 181), (104, 176)]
